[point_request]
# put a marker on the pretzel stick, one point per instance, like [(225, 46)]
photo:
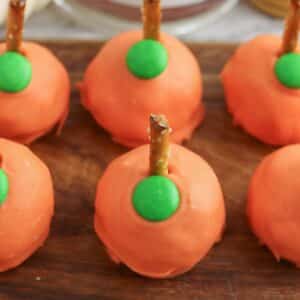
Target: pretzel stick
[(15, 25), (160, 145), (152, 19), (290, 37)]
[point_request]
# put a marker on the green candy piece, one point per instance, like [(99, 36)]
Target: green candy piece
[(156, 198), (287, 70), (147, 59), (15, 72), (4, 186)]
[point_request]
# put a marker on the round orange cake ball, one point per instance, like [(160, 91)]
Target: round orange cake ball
[(26, 204), (263, 91), (273, 203), (158, 239), (131, 78), (34, 93)]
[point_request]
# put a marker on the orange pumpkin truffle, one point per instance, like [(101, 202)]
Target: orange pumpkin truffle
[(26, 204), (262, 85), (273, 203), (142, 72), (34, 85), (121, 102), (166, 248), (34, 111), (258, 102), (139, 73)]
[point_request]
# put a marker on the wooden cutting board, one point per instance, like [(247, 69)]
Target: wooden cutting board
[(73, 263)]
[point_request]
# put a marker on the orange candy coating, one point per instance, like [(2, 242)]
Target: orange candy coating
[(26, 214), (121, 103), (273, 203), (257, 100), (168, 248), (27, 115)]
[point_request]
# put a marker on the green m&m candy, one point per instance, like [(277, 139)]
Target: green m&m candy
[(4, 186), (15, 72), (287, 70), (156, 198), (147, 59)]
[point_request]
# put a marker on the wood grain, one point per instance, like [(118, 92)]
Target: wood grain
[(73, 264)]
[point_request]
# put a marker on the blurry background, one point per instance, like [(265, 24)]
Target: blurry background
[(198, 20)]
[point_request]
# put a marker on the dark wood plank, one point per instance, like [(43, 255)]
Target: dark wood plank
[(73, 264)]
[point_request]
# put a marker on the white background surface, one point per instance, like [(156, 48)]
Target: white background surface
[(240, 24)]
